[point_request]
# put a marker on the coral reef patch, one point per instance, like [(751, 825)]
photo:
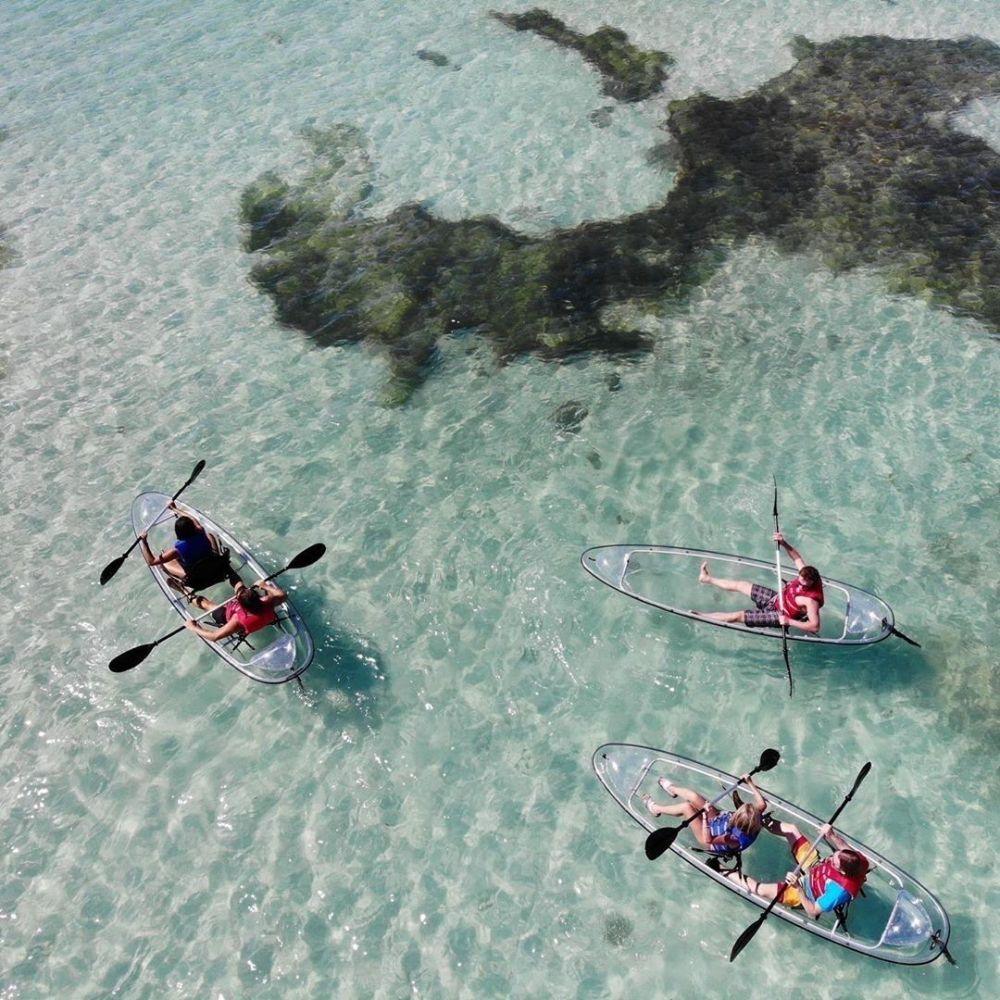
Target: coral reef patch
[(629, 73), (850, 155)]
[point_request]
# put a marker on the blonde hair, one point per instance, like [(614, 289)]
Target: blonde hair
[(747, 818)]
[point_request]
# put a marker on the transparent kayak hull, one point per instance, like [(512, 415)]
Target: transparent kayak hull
[(274, 655), (897, 920), (666, 577)]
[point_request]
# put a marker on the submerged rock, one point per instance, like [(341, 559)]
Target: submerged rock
[(569, 416), (849, 155), (629, 74), (617, 929), (601, 117), (429, 55)]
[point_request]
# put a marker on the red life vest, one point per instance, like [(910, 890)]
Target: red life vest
[(250, 621), (796, 588), (824, 872)]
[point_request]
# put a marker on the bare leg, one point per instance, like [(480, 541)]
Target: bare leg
[(766, 890), (736, 586), (175, 569), (723, 616)]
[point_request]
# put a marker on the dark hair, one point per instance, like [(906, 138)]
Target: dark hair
[(184, 527), (810, 574), (250, 599), (852, 863)]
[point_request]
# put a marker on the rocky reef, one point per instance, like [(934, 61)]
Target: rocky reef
[(850, 155), (629, 74)]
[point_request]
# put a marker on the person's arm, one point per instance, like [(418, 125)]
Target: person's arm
[(793, 553), (759, 801), (811, 624), (189, 516), (147, 553), (213, 635), (795, 878), (272, 593)]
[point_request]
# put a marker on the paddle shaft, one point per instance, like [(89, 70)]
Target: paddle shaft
[(114, 566), (833, 819), (778, 601), (177, 631)]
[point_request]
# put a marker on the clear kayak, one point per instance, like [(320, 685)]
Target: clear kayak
[(666, 577), (896, 920), (273, 655)]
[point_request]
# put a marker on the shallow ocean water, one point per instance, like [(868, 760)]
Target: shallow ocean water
[(423, 819)]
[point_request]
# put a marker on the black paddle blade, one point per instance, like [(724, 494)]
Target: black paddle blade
[(747, 936), (130, 658), (775, 512), (112, 567), (308, 556), (862, 774), (768, 759), (659, 841)]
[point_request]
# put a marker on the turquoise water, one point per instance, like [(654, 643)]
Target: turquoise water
[(423, 820)]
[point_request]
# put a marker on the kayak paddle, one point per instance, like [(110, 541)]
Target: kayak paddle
[(744, 939), (779, 602), (660, 840), (134, 656), (116, 564)]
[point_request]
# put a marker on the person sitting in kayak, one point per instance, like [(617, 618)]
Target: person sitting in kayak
[(192, 559), (821, 886), (718, 832), (798, 607), (249, 611)]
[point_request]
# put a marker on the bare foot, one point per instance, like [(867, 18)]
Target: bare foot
[(667, 787), (647, 801), (704, 576)]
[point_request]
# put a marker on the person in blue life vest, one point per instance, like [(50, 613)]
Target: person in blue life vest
[(717, 832), (796, 607), (823, 885), (192, 559)]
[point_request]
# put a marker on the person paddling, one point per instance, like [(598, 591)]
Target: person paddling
[(798, 606), (252, 609), (718, 832), (192, 559), (822, 886)]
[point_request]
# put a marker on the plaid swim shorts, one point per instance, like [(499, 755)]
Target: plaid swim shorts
[(765, 615)]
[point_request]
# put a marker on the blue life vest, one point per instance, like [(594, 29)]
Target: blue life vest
[(191, 551), (723, 825)]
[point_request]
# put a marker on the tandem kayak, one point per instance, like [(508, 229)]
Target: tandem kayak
[(896, 920), (666, 577), (274, 655)]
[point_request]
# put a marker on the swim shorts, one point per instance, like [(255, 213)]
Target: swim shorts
[(792, 896), (764, 616)]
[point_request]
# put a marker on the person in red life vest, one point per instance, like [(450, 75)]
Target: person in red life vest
[(821, 886), (798, 606), (249, 611)]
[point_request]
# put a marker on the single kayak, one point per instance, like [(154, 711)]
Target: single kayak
[(895, 920), (666, 577), (274, 655)]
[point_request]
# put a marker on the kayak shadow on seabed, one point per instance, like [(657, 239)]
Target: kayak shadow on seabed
[(889, 664), (348, 676)]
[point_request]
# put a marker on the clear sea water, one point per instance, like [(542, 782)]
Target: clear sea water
[(423, 821)]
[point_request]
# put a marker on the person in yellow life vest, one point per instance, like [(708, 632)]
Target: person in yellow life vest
[(821, 885), (252, 609), (796, 607)]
